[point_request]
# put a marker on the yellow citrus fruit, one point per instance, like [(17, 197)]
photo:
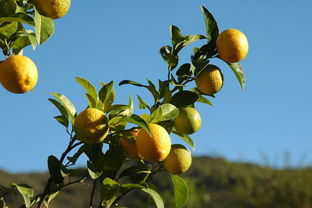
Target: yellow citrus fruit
[(129, 146), (53, 9), (179, 159), (91, 126), (232, 45), (210, 80), (154, 147), (18, 74), (188, 121)]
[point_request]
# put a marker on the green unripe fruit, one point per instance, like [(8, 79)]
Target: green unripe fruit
[(179, 159), (188, 121)]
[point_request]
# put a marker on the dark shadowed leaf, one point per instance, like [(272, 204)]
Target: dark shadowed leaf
[(176, 36), (7, 7), (171, 59), (184, 98), (181, 191), (201, 98), (55, 169), (211, 25)]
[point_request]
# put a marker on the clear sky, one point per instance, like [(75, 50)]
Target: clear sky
[(119, 40)]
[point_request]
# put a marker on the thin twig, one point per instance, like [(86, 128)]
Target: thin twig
[(92, 193)]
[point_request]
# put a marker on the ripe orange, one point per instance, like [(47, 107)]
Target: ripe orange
[(179, 159), (53, 9), (18, 74), (129, 146), (188, 121), (232, 45), (91, 126), (154, 147), (210, 80)]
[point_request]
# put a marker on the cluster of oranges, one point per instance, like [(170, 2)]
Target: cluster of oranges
[(91, 125), (18, 73)]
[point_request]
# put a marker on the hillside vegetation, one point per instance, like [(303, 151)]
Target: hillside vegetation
[(214, 182)]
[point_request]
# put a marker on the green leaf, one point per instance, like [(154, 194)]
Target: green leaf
[(55, 169), (142, 103), (155, 196), (176, 36), (131, 82), (44, 27), (79, 152), (181, 191), (130, 105), (137, 120), (164, 89), (33, 41), (18, 17), (90, 89), (151, 192), (8, 29), (2, 203), (109, 188), (23, 41), (186, 138), (107, 95), (184, 98), (239, 73), (184, 70), (152, 88), (212, 29), (63, 118), (94, 169), (26, 191), (7, 8), (188, 40), (171, 59), (201, 98), (69, 106), (164, 112), (51, 196)]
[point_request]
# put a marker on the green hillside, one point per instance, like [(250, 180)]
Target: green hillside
[(214, 182)]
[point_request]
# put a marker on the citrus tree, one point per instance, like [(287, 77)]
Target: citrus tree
[(124, 148)]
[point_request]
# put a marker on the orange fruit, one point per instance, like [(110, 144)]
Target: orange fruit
[(232, 45), (53, 9), (179, 159), (210, 80), (91, 126), (154, 147), (129, 146), (18, 74)]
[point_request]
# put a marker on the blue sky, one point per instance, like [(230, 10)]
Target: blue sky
[(120, 40)]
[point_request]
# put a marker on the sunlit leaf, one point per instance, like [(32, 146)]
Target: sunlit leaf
[(69, 106), (164, 112), (186, 138), (44, 27), (181, 191), (239, 73), (8, 29), (137, 120)]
